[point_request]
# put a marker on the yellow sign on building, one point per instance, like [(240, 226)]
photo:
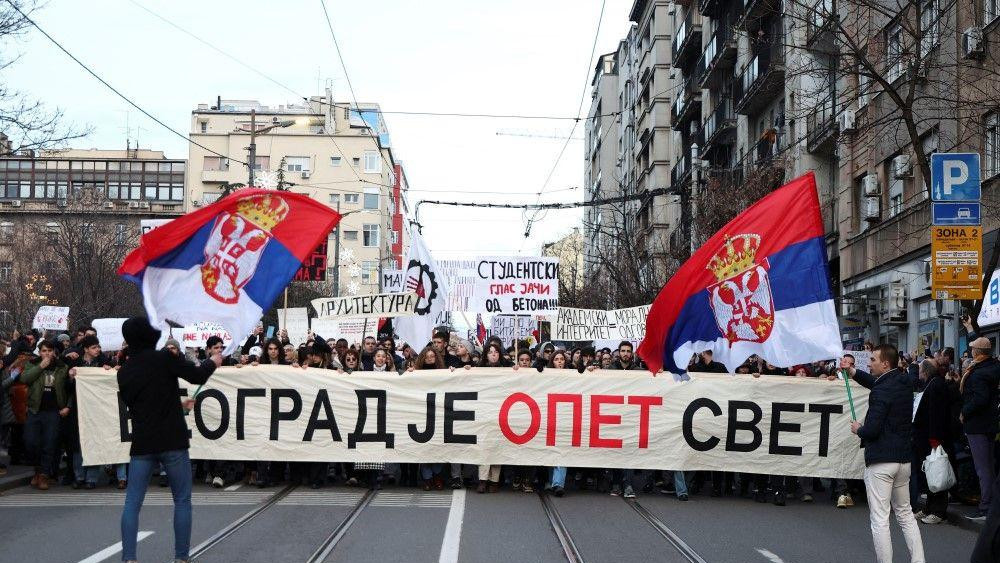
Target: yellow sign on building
[(956, 262)]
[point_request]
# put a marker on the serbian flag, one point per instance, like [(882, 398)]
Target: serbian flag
[(226, 263), (761, 285)]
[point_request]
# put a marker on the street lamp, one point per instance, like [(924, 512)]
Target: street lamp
[(253, 139)]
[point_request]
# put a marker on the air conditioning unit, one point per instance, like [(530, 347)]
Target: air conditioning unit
[(870, 185), (902, 167), (16, 203), (196, 202), (60, 203), (143, 205), (972, 42), (846, 122), (133, 205), (306, 174), (109, 205), (871, 210)]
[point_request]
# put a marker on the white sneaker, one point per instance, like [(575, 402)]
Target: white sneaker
[(845, 501), (218, 482), (932, 519)]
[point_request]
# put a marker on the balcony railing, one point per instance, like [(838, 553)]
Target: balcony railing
[(894, 237), (821, 125), (755, 14), (819, 22), (687, 40), (687, 104), (760, 78), (721, 120), (680, 173), (720, 53)]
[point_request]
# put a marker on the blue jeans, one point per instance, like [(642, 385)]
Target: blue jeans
[(82, 473), (121, 471), (680, 483), (41, 438), (428, 470), (557, 477), (178, 466)]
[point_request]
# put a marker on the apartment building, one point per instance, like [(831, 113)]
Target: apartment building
[(628, 145), (337, 153), (68, 217)]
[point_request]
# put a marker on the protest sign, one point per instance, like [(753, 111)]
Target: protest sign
[(714, 422), (461, 277), (295, 321), (595, 324), (314, 266), (109, 333), (510, 327), (516, 285), (146, 225), (197, 335), (371, 306), (50, 317), (392, 281)]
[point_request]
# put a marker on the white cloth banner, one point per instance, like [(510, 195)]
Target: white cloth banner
[(424, 278), (775, 426), (375, 305), (50, 317), (294, 320), (516, 285), (460, 274), (352, 330), (109, 333), (595, 324)]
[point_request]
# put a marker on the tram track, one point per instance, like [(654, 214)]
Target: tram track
[(661, 528), (569, 547), (235, 525)]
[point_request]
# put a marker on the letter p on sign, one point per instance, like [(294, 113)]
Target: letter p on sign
[(955, 177)]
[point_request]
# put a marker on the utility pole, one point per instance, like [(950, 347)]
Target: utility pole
[(695, 189), (336, 253), (252, 161)]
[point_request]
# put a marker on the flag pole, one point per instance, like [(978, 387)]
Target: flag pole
[(850, 397), (284, 312), (517, 334)]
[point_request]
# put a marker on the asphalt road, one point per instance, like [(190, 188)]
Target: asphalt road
[(402, 524)]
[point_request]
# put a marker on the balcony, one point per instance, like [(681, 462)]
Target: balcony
[(215, 176), (720, 127), (887, 241), (687, 41), (710, 8), (687, 106), (719, 56), (820, 27), (821, 127), (761, 80), (755, 14), (680, 174)]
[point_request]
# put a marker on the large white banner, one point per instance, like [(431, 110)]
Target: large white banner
[(595, 324), (422, 277), (516, 285), (769, 425), (109, 333), (375, 305), (294, 320), (990, 313), (352, 330)]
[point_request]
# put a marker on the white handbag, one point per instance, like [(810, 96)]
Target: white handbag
[(937, 468)]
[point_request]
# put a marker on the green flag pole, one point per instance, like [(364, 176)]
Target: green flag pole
[(195, 396), (847, 383)]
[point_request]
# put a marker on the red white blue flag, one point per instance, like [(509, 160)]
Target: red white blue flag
[(761, 285), (227, 262)]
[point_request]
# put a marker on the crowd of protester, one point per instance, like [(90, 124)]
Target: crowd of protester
[(38, 426)]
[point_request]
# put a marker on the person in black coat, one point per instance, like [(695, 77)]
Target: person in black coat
[(886, 436), (706, 364), (147, 384), (931, 428), (979, 414)]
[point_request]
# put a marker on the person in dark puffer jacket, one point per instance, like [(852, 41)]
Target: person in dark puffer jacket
[(979, 414), (148, 386), (886, 437)]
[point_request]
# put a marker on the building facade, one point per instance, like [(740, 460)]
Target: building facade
[(334, 152)]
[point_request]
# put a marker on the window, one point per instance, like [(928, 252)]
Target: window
[(369, 271), (6, 272), (262, 163), (204, 127), (334, 199), (930, 19), (177, 192), (351, 235), (991, 10), (351, 198), (297, 163), (87, 232), (113, 190), (395, 237), (25, 191), (991, 148), (895, 194), (121, 234), (216, 163), (356, 161), (335, 161), (370, 235), (163, 192), (150, 192), (864, 89), (6, 233), (208, 198), (52, 232), (371, 198), (894, 51), (373, 164), (6, 318)]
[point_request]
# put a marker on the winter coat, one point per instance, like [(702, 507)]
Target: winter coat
[(979, 398), (33, 378), (887, 431)]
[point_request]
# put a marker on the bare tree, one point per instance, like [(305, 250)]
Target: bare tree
[(25, 122)]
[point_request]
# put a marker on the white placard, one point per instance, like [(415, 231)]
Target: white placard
[(714, 422), (509, 328), (295, 321), (109, 333), (392, 281), (374, 306), (598, 325), (50, 317), (197, 335), (516, 285)]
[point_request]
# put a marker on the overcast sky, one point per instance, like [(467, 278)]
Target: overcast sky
[(506, 57)]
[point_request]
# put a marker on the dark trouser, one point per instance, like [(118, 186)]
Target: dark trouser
[(987, 548), (317, 473), (982, 456), (774, 482), (937, 503), (623, 477), (41, 436), (408, 474)]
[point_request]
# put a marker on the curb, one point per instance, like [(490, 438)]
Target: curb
[(9, 482)]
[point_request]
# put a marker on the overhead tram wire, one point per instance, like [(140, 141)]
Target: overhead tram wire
[(112, 88), (576, 123)]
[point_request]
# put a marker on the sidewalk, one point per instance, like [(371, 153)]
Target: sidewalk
[(17, 476)]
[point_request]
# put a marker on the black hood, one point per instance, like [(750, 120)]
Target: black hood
[(139, 334)]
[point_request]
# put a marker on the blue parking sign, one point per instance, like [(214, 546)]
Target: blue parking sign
[(955, 177)]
